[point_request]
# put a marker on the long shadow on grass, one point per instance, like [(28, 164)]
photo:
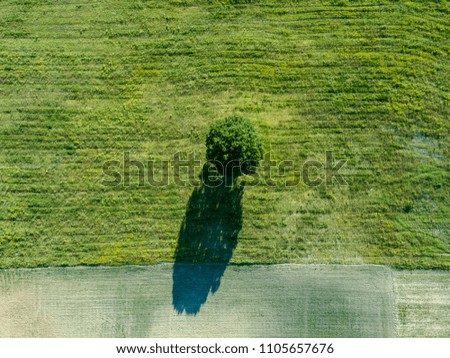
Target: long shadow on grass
[(207, 238)]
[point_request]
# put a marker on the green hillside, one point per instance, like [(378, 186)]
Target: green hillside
[(82, 82)]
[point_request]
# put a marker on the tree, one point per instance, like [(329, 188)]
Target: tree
[(233, 145)]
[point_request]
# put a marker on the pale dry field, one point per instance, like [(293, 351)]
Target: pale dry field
[(423, 303), (160, 301)]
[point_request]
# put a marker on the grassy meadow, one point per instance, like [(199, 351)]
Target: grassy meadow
[(82, 82)]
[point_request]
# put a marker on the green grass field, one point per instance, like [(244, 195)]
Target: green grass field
[(253, 301), (81, 82)]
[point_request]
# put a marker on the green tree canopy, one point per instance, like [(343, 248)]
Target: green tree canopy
[(233, 145)]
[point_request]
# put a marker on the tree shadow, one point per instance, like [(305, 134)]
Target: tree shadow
[(207, 238)]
